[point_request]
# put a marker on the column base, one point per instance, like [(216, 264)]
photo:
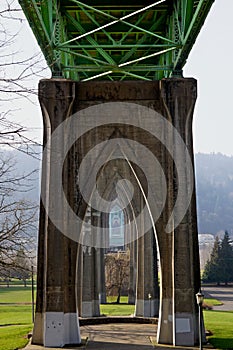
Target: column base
[(38, 330), (147, 308), (184, 333), (61, 329), (131, 297), (185, 329), (102, 298), (90, 308)]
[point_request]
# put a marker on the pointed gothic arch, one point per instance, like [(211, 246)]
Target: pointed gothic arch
[(178, 248)]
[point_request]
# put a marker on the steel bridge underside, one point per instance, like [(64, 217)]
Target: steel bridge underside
[(120, 40)]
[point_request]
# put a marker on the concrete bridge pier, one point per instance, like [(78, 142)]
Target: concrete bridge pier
[(179, 252), (58, 279), (56, 318)]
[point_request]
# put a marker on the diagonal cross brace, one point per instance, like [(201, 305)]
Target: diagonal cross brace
[(116, 20), (92, 41)]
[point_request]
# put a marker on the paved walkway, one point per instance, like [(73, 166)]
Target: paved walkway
[(117, 336), (112, 336), (224, 294)]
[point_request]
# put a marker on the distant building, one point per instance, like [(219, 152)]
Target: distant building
[(206, 243)]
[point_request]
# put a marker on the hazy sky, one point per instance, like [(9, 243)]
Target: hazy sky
[(210, 62)]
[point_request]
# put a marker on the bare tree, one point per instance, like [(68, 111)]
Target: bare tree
[(19, 75), (18, 217), (16, 68), (22, 267), (117, 273)]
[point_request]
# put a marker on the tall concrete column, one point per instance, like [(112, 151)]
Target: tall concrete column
[(147, 300), (56, 321), (97, 220), (132, 272), (165, 333), (90, 297), (79, 274), (179, 98), (100, 275)]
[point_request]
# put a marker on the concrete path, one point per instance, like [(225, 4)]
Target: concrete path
[(117, 336), (222, 293)]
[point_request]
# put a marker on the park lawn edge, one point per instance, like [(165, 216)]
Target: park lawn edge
[(14, 336)]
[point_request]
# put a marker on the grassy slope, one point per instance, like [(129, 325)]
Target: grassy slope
[(113, 309), (15, 314), (14, 337), (220, 324), (15, 319), (15, 295), (212, 302), (117, 310)]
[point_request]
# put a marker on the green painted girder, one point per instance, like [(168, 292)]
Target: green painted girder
[(140, 39)]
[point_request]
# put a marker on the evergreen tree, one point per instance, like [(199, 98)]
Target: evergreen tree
[(226, 260), (212, 271), (219, 268)]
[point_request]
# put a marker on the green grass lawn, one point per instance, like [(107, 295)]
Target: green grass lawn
[(14, 337), (15, 315), (212, 302), (112, 309), (16, 318), (117, 309), (220, 323), (112, 299), (15, 324), (15, 295)]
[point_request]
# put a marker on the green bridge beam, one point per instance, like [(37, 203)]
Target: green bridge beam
[(148, 41)]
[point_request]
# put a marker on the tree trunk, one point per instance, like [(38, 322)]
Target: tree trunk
[(119, 296)]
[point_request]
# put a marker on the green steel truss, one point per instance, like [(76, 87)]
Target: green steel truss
[(116, 40)]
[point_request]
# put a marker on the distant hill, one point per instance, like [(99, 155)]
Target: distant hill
[(25, 165), (214, 184), (214, 181)]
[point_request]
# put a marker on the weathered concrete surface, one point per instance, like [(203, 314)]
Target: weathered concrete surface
[(147, 302), (58, 281), (56, 317)]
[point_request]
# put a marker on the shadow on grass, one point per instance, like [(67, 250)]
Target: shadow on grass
[(221, 343)]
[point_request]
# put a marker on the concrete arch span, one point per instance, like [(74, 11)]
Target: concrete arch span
[(173, 99)]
